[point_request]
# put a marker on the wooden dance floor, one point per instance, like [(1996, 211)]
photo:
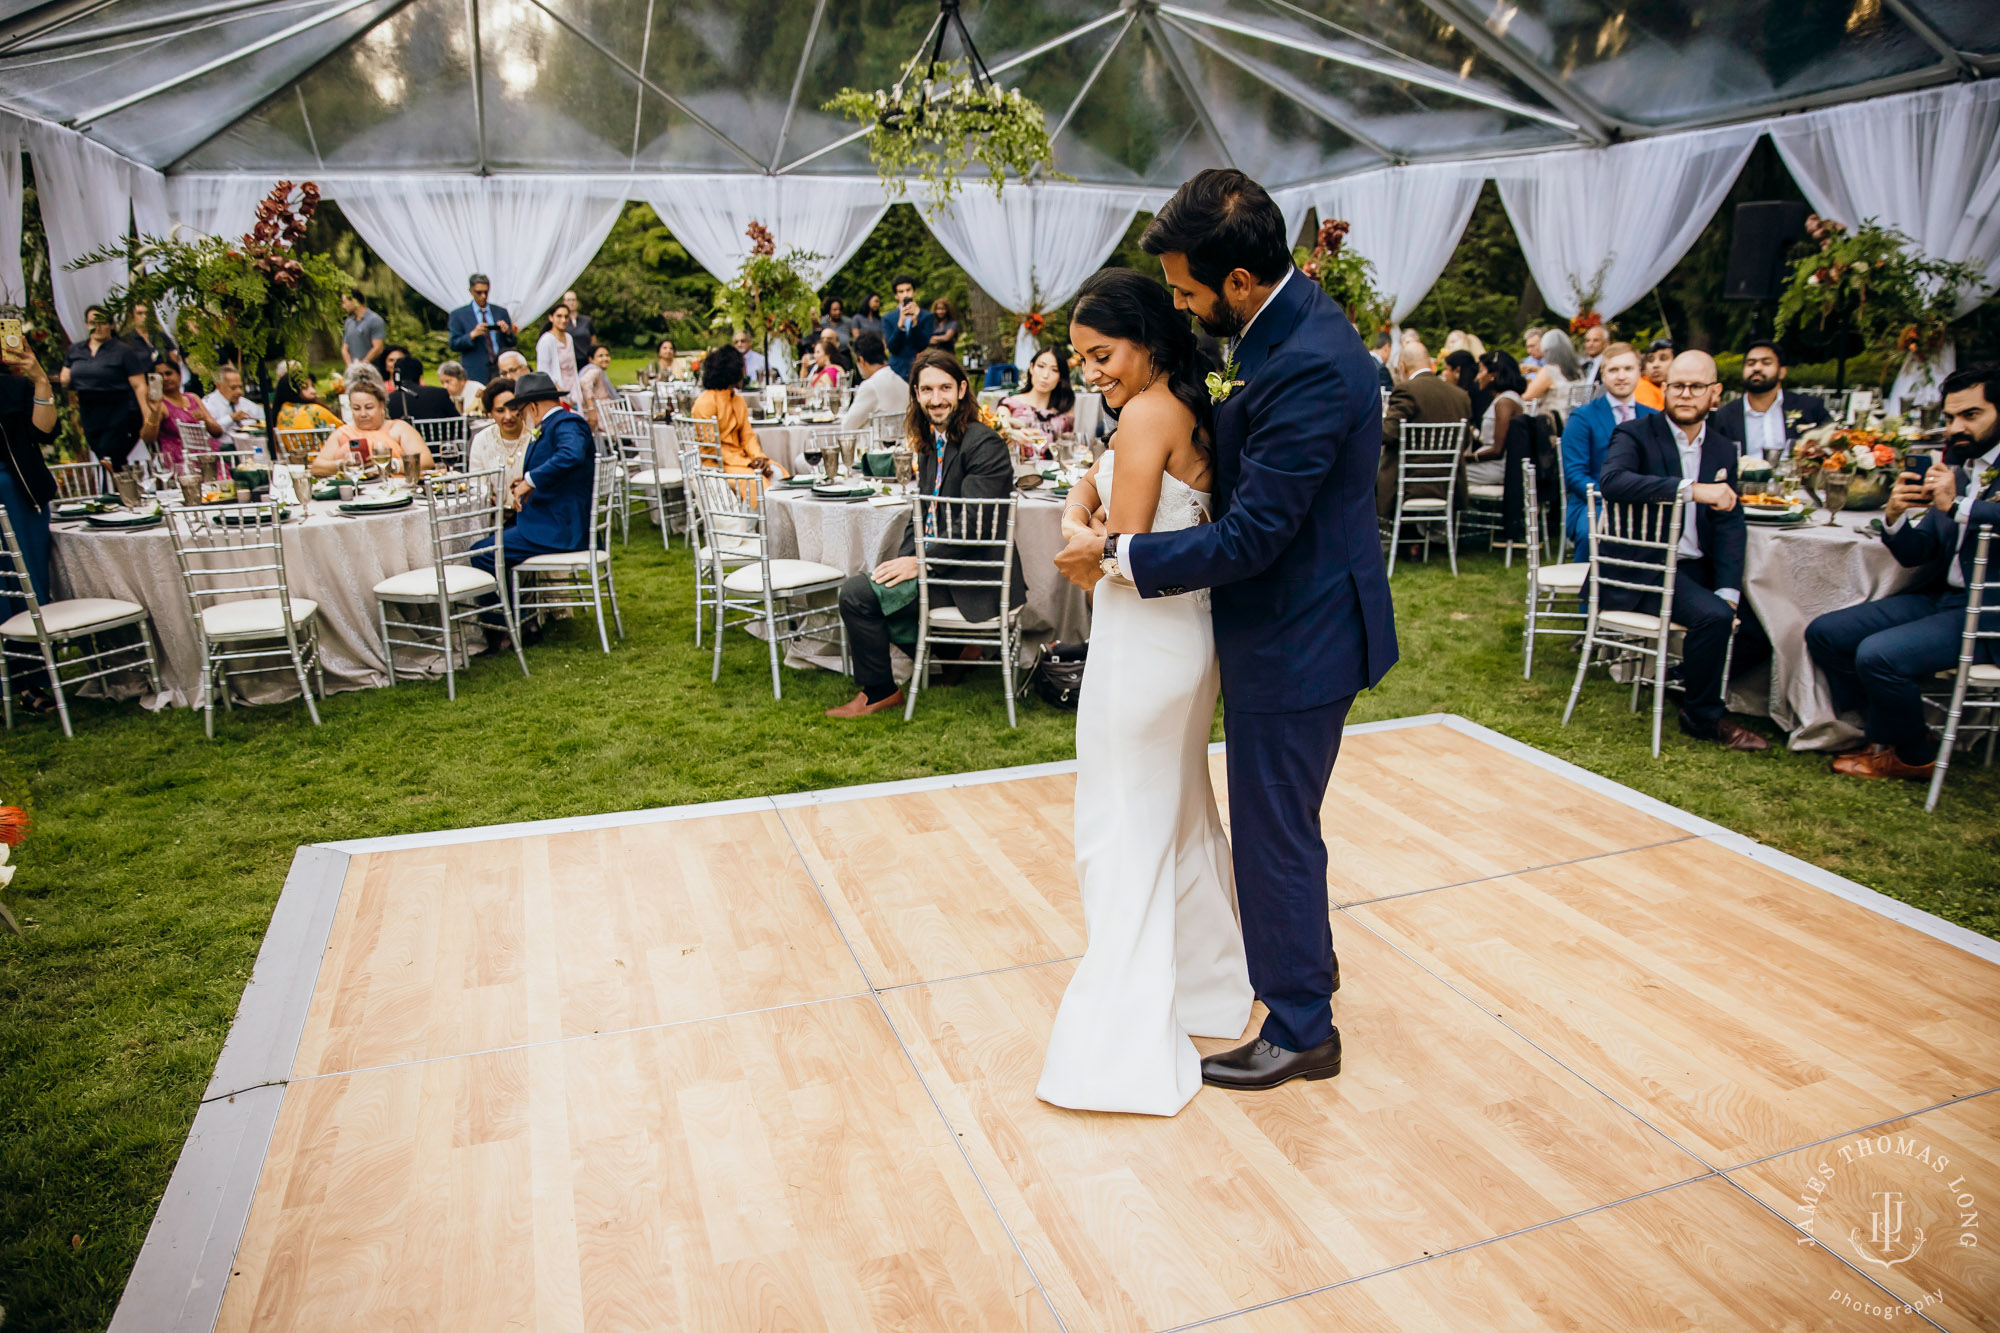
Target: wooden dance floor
[(770, 1065)]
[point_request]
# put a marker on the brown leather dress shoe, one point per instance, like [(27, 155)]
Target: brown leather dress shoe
[(859, 706), (1725, 733), (1261, 1065), (1883, 763)]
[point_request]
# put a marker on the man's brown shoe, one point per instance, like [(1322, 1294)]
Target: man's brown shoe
[(1883, 764), (1726, 733), (859, 706)]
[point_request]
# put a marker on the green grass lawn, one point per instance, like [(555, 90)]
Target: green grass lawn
[(157, 855)]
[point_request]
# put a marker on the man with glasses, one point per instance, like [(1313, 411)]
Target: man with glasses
[(480, 332), (1683, 452)]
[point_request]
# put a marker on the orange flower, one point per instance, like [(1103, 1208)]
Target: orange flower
[(1884, 455), (14, 825)]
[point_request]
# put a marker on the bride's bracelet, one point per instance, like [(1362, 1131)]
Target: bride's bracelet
[(1075, 505)]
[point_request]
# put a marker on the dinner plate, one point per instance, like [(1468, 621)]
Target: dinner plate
[(239, 520), (1774, 514), (377, 504), (123, 521), (84, 508)]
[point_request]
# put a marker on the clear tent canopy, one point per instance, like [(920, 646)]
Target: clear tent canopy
[(1139, 93)]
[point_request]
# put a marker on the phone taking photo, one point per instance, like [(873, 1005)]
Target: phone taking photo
[(12, 340), (1917, 463)]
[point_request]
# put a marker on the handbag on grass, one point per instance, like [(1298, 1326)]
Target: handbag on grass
[(1058, 673)]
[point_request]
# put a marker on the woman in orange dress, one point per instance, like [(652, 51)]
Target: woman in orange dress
[(721, 372)]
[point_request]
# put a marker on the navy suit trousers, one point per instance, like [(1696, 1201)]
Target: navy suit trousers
[(1279, 764), (1878, 656)]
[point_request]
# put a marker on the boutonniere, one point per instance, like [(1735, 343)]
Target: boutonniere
[(1220, 386), (1988, 477)]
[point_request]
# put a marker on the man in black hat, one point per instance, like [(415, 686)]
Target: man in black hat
[(556, 476)]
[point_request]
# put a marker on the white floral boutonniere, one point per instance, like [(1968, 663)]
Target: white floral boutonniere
[(1220, 386)]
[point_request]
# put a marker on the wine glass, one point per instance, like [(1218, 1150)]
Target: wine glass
[(1835, 482), (813, 453)]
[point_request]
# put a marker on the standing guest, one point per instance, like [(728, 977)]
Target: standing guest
[(721, 372), (154, 343), (555, 353), (1653, 378), (880, 389), (1533, 360), (1385, 355), (503, 443), (1595, 339), (1683, 452), (1878, 656), (833, 317), (373, 437), (513, 365), (553, 492), (297, 405), (1767, 418), (228, 404), (464, 391), (414, 400), (1587, 435), (593, 387), (908, 329), (1560, 369), (480, 331), (960, 456), (752, 359), (1048, 404), (162, 431), (1499, 378), (869, 320), (580, 326), (108, 378), (664, 361), (364, 335), (1423, 396), (944, 326), (27, 425)]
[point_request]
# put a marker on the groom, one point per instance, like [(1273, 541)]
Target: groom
[(1303, 621)]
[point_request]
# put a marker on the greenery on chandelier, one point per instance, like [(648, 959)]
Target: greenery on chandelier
[(1875, 282), (934, 129), (770, 291)]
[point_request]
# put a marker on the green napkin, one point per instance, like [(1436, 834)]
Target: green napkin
[(878, 463), (893, 599)]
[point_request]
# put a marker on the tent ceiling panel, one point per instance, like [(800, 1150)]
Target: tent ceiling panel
[(732, 64), (1967, 24), (553, 101), (1138, 125)]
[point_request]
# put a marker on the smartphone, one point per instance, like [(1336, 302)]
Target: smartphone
[(12, 340), (156, 388), (1917, 463)]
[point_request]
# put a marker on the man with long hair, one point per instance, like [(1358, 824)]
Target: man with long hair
[(960, 456)]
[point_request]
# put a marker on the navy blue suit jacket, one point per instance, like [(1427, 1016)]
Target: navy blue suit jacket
[(1586, 436), (476, 354), (1811, 410), (904, 345), (1643, 466), (1932, 537), (1301, 602), (561, 462)]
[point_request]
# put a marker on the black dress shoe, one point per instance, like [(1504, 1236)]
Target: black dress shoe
[(1261, 1065)]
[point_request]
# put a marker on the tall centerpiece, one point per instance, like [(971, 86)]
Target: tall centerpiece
[(944, 115), (769, 291), (1345, 276)]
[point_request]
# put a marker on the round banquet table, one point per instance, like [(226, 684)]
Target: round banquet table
[(331, 558), (848, 535), (785, 445), (1791, 575)]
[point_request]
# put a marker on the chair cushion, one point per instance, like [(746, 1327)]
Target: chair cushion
[(459, 581), (1481, 491), (954, 618), (1982, 673), (667, 477), (557, 560), (253, 616), (784, 574), (1422, 502), (1638, 622), (74, 616), (1563, 578)]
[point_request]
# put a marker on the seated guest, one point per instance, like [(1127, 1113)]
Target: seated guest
[(391, 354), (465, 392), (753, 360), (414, 400), (1559, 370), (1587, 434), (108, 378), (664, 366), (1767, 418), (721, 372), (1653, 377), (176, 407), (957, 455), (1424, 396), (1461, 367), (1878, 656), (504, 442), (837, 353), (593, 387), (879, 389), (1595, 339), (372, 438), (1500, 378), (298, 404), (823, 373), (241, 417), (513, 364), (1533, 360), (1458, 340), (1048, 404), (1682, 452), (553, 492), (555, 353)]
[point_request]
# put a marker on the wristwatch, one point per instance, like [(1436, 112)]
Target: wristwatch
[(1109, 561)]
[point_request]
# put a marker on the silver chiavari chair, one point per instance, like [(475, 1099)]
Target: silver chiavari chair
[(1976, 684), (467, 514), (446, 437), (81, 481), (1427, 455), (302, 446), (961, 544), (53, 628), (1548, 585), (579, 579)]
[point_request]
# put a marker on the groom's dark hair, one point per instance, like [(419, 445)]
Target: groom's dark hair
[(1221, 220)]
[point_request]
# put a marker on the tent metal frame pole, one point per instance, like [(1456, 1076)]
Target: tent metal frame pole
[(1592, 120), (1930, 36), (1412, 72), (1390, 156), (1090, 80), (224, 61), (798, 83), (639, 107), (1150, 18), (640, 77), (477, 65), (1010, 62), (305, 118), (36, 45), (47, 18)]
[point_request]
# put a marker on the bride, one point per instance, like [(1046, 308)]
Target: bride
[(1165, 957)]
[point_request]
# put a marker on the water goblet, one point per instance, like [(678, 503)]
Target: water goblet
[(1835, 483)]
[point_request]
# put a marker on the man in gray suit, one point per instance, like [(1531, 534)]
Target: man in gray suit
[(1424, 397)]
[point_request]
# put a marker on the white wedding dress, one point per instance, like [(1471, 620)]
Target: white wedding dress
[(1165, 954)]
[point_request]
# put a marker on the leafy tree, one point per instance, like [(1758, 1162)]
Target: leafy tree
[(1486, 289), (643, 285)]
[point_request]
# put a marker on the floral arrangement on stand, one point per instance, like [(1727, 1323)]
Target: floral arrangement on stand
[(1584, 321), (244, 302), (769, 291), (1874, 281), (14, 824), (1345, 276)]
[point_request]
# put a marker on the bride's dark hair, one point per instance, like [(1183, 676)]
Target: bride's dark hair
[(1126, 304)]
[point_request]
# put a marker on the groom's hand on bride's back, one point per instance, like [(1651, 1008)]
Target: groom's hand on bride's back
[(1082, 560)]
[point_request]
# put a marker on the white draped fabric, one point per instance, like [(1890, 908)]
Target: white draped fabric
[(1406, 221), (216, 205), (530, 235), (1032, 248), (710, 215), (13, 285), (86, 193), (1618, 219), (1927, 164)]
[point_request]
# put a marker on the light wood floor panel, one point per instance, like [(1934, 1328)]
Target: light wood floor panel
[(1419, 807), (1700, 1257), (1844, 1181), (1442, 1129), (1739, 1010), (945, 883), (774, 1171), (443, 951)]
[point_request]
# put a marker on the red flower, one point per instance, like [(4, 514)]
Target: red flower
[(1033, 323), (14, 825), (760, 239)]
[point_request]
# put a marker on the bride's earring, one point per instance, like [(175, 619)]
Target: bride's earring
[(1150, 378)]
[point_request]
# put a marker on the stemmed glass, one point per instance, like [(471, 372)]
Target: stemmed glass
[(1835, 482)]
